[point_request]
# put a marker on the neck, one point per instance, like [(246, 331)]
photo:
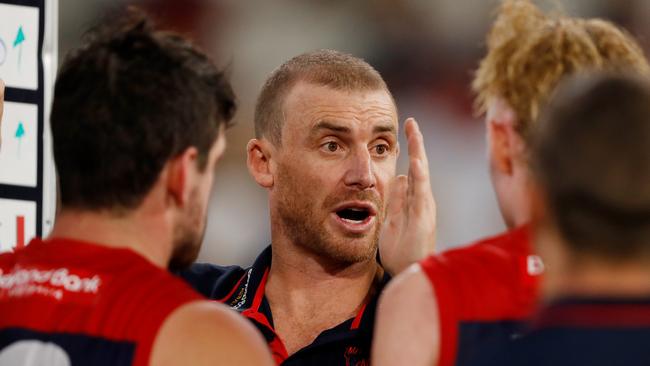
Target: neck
[(514, 198), (311, 280), (143, 234), (577, 274), (590, 277)]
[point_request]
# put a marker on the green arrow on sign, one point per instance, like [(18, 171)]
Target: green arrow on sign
[(20, 38), (20, 131)]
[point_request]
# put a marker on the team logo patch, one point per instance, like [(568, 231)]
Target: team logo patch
[(61, 284), (534, 265), (240, 299)]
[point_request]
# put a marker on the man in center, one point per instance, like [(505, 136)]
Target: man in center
[(325, 150)]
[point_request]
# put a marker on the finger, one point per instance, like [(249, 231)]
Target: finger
[(419, 193), (416, 143)]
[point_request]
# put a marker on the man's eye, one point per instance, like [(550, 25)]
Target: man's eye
[(381, 149), (332, 146)]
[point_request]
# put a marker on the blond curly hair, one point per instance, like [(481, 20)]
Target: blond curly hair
[(529, 52)]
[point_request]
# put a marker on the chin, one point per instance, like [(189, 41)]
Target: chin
[(183, 257), (186, 249), (353, 250)]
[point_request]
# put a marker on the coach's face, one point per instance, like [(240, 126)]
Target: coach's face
[(337, 156)]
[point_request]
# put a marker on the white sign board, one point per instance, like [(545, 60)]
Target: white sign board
[(18, 155), (19, 46), (28, 54)]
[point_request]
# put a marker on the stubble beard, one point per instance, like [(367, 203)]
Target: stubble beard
[(305, 228), (188, 235)]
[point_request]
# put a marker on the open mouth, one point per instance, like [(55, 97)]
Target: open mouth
[(357, 217), (354, 214)]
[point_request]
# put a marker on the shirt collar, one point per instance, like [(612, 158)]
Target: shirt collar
[(248, 298), (595, 312)]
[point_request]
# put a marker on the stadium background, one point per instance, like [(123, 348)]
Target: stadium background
[(425, 49)]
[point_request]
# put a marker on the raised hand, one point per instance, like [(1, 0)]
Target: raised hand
[(408, 233)]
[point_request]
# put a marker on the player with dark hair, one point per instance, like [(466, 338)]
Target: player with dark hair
[(138, 123), (325, 150), (591, 215), (452, 305)]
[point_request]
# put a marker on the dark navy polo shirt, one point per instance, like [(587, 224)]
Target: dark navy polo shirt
[(347, 344), (579, 331)]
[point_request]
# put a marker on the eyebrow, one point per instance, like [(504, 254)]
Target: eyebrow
[(386, 127), (325, 125)]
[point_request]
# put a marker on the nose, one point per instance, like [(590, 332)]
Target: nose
[(360, 171)]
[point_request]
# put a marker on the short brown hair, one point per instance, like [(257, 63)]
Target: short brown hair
[(329, 68), (591, 156), (529, 52), (126, 102)]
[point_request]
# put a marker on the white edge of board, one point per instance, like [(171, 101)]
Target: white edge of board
[(50, 63)]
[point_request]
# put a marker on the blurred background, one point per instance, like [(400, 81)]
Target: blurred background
[(425, 49)]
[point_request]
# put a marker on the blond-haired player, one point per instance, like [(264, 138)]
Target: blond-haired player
[(450, 306)]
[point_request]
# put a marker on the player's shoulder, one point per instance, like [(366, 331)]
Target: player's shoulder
[(511, 242), (492, 253), (140, 278), (205, 332), (407, 310), (410, 283), (410, 291), (501, 271)]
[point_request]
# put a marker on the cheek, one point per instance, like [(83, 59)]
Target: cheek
[(315, 181), (315, 173), (385, 173), (205, 190)]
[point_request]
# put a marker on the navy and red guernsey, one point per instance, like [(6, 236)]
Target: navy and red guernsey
[(485, 294), (583, 331), (346, 344), (79, 303)]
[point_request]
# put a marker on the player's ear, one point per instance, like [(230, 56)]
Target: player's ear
[(258, 160), (499, 147), (500, 122), (180, 174)]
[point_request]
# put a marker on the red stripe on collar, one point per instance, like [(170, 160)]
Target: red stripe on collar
[(357, 319), (223, 299)]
